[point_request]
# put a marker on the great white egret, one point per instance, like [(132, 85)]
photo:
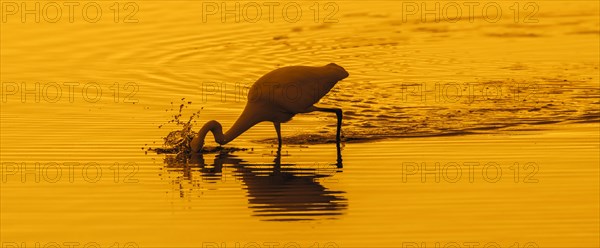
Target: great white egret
[(277, 97)]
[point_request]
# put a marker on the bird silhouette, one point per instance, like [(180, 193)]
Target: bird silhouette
[(277, 97)]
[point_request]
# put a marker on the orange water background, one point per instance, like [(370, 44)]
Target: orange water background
[(535, 98)]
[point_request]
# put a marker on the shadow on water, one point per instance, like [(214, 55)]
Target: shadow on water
[(275, 191)]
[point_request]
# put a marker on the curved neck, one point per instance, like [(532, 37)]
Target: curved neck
[(214, 127), (242, 124)]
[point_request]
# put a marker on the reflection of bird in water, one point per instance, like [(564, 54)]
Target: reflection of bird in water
[(277, 97), (279, 192), (284, 193)]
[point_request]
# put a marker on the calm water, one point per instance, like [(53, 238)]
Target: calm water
[(477, 130)]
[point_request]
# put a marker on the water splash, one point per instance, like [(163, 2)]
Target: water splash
[(177, 142)]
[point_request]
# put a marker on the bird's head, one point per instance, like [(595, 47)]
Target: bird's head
[(339, 71)]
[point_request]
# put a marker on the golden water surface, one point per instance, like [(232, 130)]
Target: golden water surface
[(480, 127)]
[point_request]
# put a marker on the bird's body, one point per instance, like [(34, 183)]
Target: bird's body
[(277, 97)]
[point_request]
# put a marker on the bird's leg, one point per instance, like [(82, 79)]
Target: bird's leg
[(339, 156), (277, 160), (278, 130), (338, 113)]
